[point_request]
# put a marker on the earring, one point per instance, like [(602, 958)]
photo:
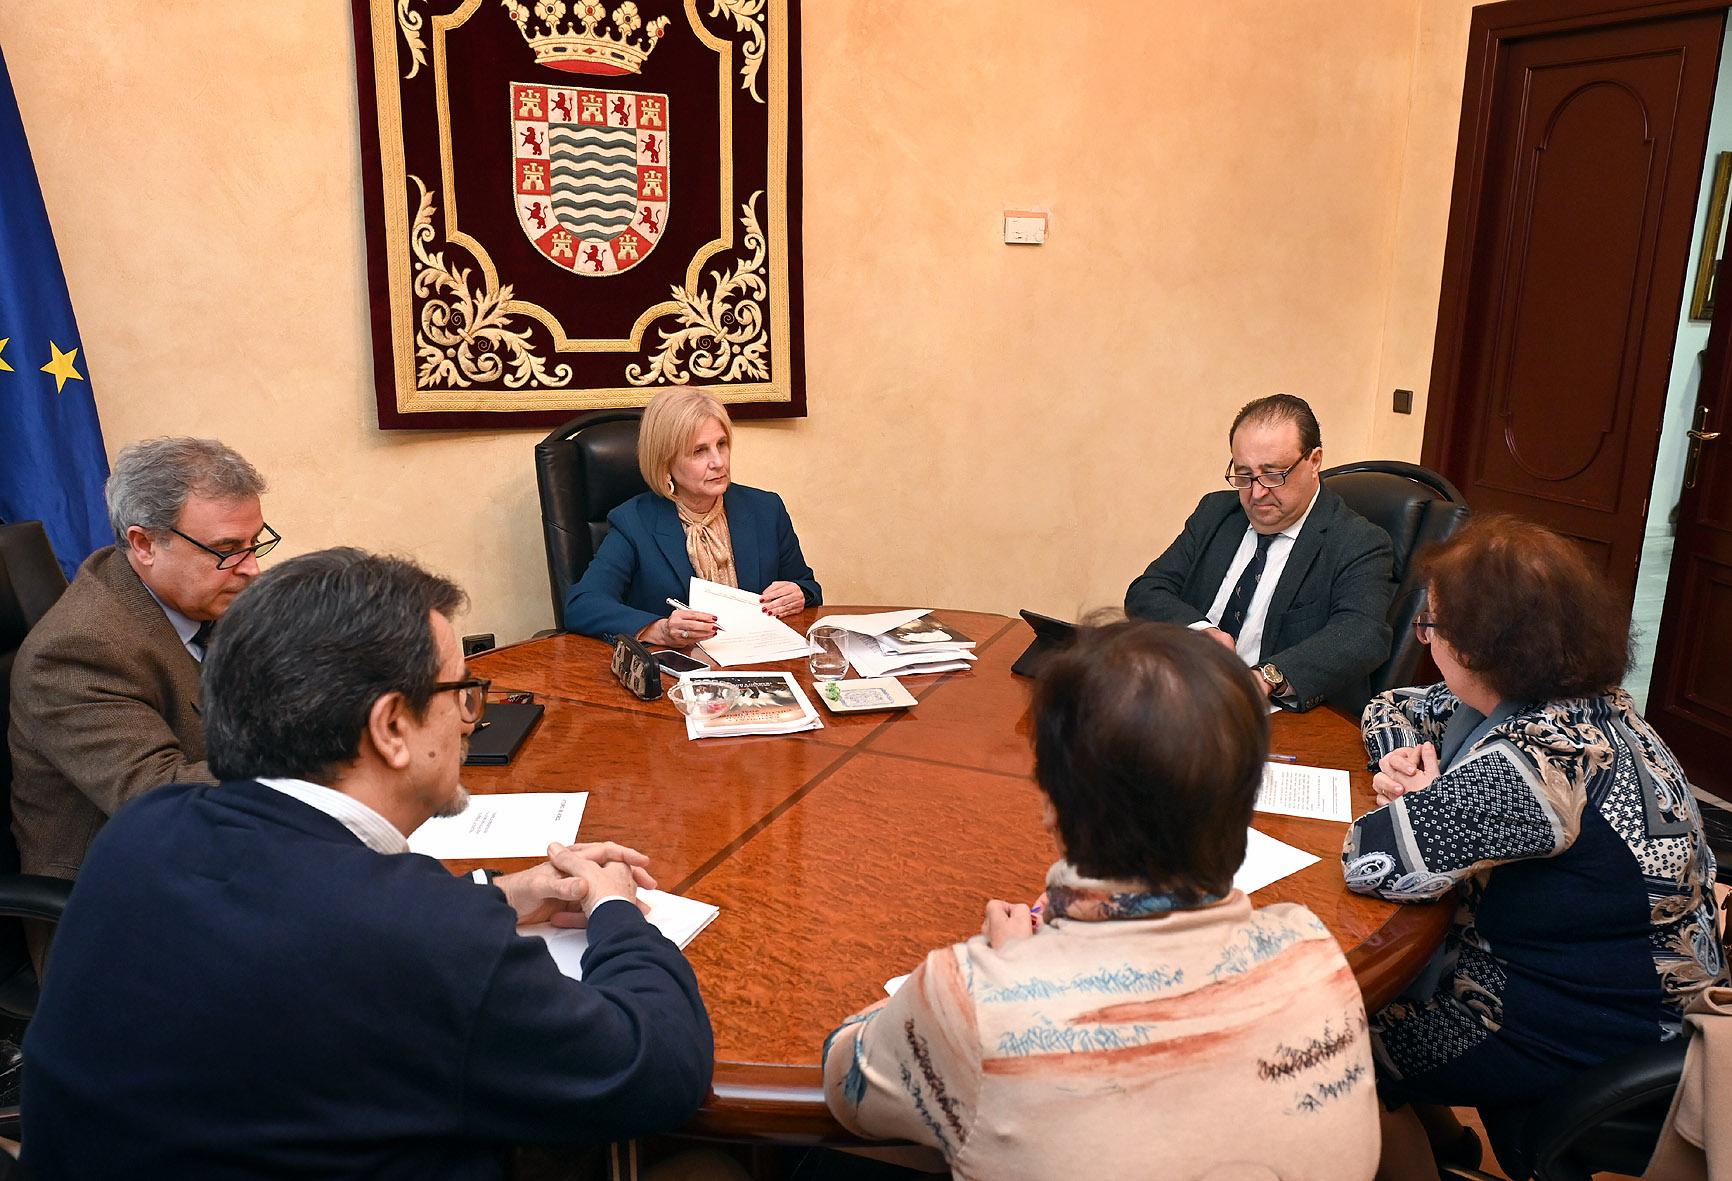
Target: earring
[(670, 485)]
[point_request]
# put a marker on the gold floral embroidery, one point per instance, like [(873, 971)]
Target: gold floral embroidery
[(721, 335), (749, 19), (409, 23), (464, 336)]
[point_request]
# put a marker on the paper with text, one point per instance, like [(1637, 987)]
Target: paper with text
[(875, 623), (747, 635), (680, 919), (512, 824), (1317, 793)]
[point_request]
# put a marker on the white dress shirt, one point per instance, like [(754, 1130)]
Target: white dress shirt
[(1250, 642), (372, 829)]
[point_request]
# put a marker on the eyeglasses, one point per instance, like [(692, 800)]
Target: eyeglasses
[(1267, 479), (229, 559), (471, 696), (1423, 626)]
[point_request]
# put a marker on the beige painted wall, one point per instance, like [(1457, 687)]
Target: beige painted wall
[(1247, 196)]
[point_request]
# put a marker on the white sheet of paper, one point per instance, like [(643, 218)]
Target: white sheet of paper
[(869, 660), (517, 824), (1317, 793), (895, 982), (680, 919), (1268, 860), (747, 636), (874, 624)]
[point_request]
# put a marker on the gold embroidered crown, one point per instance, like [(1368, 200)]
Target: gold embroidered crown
[(561, 45)]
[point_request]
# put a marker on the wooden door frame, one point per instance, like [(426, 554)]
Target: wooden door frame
[(1493, 26)]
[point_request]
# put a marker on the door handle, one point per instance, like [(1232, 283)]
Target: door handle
[(1698, 436)]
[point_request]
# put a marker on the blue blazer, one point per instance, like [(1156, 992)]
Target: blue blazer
[(642, 561)]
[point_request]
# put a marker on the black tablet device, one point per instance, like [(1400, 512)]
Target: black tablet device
[(1049, 636)]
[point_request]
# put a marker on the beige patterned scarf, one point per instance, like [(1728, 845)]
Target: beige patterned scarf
[(709, 544)]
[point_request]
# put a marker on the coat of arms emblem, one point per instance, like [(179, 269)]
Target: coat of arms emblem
[(591, 174)]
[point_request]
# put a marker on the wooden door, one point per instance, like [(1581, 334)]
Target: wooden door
[(1581, 150), (1690, 697)]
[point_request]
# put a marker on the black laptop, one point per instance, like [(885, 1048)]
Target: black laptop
[(1049, 636), (502, 730)]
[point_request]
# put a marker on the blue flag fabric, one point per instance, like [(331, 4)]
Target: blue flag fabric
[(52, 463)]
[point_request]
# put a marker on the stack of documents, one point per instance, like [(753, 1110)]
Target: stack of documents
[(517, 824), (1316, 793), (901, 643), (680, 919), (769, 703), (746, 635)]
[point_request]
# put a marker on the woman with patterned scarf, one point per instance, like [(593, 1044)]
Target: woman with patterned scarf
[(1528, 783), (693, 521), (1149, 1022)]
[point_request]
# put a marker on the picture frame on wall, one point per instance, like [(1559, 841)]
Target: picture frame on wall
[(572, 205), (1713, 240)]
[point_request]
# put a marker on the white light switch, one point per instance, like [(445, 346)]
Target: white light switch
[(1023, 227)]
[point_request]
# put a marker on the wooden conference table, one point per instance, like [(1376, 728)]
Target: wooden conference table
[(840, 856)]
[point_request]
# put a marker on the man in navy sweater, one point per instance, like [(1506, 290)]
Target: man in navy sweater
[(259, 980)]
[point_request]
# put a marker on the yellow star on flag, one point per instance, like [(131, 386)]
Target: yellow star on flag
[(4, 367), (61, 367)]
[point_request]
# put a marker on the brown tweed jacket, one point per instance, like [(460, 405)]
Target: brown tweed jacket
[(104, 708)]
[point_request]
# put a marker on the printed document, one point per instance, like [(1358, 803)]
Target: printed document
[(1316, 793), (680, 919), (1267, 861), (747, 635), (875, 623), (519, 824)]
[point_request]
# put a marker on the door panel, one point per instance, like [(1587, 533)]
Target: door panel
[(1690, 697), (1577, 173)]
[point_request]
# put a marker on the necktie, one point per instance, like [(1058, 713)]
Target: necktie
[(1239, 602), (201, 639)]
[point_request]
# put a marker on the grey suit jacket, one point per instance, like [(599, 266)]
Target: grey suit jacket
[(1328, 622), (104, 708)]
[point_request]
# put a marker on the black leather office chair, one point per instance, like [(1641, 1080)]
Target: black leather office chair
[(30, 582), (584, 470), (1416, 507)]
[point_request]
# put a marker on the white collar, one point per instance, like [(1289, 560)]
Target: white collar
[(372, 829)]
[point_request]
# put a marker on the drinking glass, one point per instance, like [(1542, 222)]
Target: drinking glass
[(828, 661)]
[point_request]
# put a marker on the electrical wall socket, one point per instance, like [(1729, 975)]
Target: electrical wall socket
[(477, 643), (1404, 401)]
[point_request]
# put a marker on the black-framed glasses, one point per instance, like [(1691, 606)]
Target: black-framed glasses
[(1423, 626), (1267, 479), (471, 696), (229, 559)]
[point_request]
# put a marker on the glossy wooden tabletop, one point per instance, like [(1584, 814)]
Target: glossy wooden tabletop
[(840, 856)]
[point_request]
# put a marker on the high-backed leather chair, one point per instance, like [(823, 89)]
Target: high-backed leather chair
[(584, 470), (1416, 507)]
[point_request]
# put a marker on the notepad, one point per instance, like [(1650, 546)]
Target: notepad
[(680, 919), (511, 824)]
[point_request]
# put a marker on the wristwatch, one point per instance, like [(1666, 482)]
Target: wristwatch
[(1276, 678), (484, 877)]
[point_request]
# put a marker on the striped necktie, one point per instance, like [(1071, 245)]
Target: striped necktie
[(1239, 602)]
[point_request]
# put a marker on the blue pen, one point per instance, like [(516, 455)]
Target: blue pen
[(1284, 758)]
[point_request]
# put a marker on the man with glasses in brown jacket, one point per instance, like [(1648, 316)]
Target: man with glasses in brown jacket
[(1279, 569), (105, 689)]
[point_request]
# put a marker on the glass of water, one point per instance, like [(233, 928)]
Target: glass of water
[(828, 661)]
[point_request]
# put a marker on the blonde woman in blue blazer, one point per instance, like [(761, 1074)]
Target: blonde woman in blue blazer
[(694, 520)]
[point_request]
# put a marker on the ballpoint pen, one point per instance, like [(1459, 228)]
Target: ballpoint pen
[(1274, 758), (679, 606)]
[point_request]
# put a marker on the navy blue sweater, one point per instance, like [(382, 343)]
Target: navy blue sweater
[(241, 988)]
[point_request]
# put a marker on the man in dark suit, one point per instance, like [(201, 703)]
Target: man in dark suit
[(1280, 571), (258, 979), (105, 687)]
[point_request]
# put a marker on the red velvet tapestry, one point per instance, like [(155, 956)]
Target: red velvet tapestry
[(571, 203)]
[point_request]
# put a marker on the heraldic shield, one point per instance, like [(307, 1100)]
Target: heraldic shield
[(591, 174)]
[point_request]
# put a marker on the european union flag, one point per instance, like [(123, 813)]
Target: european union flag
[(52, 464)]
